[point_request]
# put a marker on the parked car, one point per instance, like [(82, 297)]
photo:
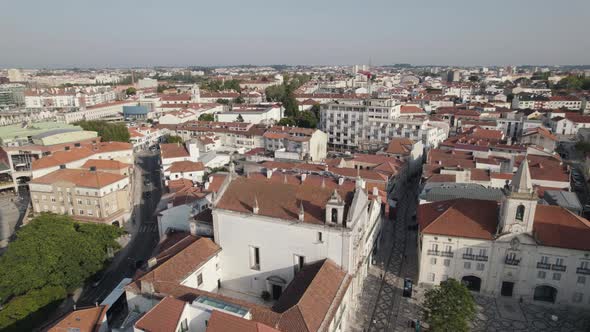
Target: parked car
[(408, 285)]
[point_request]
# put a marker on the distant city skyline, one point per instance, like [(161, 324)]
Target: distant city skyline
[(61, 34)]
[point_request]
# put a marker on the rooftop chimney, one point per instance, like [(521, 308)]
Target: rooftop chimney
[(207, 184), (340, 181), (255, 208), (193, 228), (301, 212), (152, 262), (303, 177)]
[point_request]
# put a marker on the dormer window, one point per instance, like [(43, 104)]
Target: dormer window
[(520, 212)]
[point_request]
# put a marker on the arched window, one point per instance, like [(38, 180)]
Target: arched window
[(520, 212), (335, 216)]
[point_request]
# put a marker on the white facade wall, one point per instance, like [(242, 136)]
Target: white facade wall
[(210, 272)]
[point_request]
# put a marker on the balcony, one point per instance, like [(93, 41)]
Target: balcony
[(511, 261), (447, 254), (583, 270), (433, 252), (545, 266), (481, 258), (556, 267), (469, 256)]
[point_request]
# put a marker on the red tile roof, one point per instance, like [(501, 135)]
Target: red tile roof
[(163, 317), (223, 322), (186, 166), (173, 150), (400, 146), (468, 218), (80, 178), (62, 158), (84, 320), (105, 164), (556, 226)]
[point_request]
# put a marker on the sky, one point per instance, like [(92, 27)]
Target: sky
[(114, 33)]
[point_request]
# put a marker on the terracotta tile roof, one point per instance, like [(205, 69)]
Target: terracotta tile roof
[(104, 164), (479, 174), (410, 109), (556, 226), (435, 178), (223, 322), (402, 146), (173, 150), (175, 97), (85, 320), (81, 178), (578, 118), (282, 194), (62, 158), (174, 266), (112, 146), (215, 182), (306, 301), (186, 166), (175, 185), (467, 218), (163, 317), (541, 131)]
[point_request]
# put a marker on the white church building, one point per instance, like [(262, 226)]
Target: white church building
[(519, 248)]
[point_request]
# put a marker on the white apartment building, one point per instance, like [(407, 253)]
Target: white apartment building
[(262, 114), (373, 122), (272, 225), (296, 143), (521, 249)]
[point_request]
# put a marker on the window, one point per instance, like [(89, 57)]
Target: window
[(255, 258), (556, 276), (544, 259), (87, 202), (469, 251), (520, 212), (199, 279), (541, 275), (467, 265), (433, 261), (581, 280), (577, 298), (448, 248), (559, 261), (431, 277), (90, 212), (434, 247), (80, 201), (483, 252), (81, 212), (584, 265), (447, 262), (480, 266), (319, 237), (184, 326), (298, 262)]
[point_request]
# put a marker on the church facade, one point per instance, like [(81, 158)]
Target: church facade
[(518, 248)]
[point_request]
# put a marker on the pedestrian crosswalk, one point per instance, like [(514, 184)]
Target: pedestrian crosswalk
[(148, 228)]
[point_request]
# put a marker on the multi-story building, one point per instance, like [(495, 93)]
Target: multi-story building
[(296, 143), (12, 95), (371, 123), (520, 249), (87, 195)]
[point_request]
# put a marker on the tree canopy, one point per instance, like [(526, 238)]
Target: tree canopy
[(206, 117), (51, 256), (174, 139), (218, 85), (109, 132), (449, 307), (574, 82), (239, 118), (285, 93), (131, 91)]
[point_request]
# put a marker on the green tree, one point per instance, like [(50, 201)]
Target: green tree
[(108, 131), (306, 119), (131, 91), (206, 117), (239, 118), (287, 122), (173, 139), (239, 100), (222, 101), (50, 256), (449, 307)]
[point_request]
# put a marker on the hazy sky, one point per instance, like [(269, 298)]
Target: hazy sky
[(219, 32)]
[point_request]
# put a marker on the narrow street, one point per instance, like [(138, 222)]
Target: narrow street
[(382, 307), (143, 232)]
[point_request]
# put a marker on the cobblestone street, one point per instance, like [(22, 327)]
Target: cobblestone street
[(382, 308)]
